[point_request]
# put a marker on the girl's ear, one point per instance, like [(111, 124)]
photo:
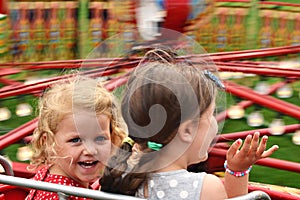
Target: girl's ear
[(186, 131), (43, 139)]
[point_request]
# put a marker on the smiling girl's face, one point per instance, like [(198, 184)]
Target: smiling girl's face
[(83, 145)]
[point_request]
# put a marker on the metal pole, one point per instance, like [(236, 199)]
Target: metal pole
[(264, 100), (264, 131), (255, 195), (246, 103), (66, 190), (6, 165)]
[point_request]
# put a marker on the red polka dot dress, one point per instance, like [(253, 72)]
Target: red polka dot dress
[(43, 175)]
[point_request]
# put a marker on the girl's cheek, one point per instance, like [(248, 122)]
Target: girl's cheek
[(104, 153)]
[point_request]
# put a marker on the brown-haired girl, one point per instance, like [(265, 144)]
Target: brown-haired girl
[(169, 110)]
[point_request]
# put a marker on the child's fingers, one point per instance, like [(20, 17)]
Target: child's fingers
[(246, 147), (262, 145), (254, 144), (234, 148), (270, 151)]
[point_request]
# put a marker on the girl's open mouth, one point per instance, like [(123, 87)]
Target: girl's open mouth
[(88, 164)]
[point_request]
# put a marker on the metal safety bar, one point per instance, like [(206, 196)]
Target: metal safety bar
[(63, 190), (254, 195), (6, 166)]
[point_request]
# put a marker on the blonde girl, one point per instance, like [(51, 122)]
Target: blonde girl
[(79, 126)]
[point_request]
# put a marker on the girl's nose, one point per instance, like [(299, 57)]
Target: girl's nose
[(90, 149)]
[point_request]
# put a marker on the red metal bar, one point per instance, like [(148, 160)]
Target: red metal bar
[(11, 84), (274, 194), (279, 3), (116, 83), (245, 104), (21, 170), (7, 81), (68, 63), (264, 100), (260, 54), (82, 65), (17, 134), (12, 132), (265, 50), (40, 86), (255, 65), (103, 71), (279, 164), (265, 131), (8, 71), (262, 71)]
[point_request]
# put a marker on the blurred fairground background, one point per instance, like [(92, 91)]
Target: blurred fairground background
[(57, 30), (254, 43)]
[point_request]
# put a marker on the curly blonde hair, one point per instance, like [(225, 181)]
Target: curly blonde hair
[(61, 99)]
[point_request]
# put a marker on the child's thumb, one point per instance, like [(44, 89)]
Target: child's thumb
[(234, 148)]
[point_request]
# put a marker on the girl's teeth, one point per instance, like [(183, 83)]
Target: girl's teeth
[(88, 165)]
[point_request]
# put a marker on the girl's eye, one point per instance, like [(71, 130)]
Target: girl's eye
[(75, 140), (101, 138)]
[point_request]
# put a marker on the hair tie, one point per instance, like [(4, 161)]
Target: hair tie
[(128, 140), (154, 146)]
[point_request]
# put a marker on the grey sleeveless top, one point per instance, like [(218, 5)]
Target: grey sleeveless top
[(173, 185)]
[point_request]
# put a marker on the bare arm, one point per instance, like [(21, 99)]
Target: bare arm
[(241, 160), (213, 188)]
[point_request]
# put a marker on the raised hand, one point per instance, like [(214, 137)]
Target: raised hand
[(239, 159)]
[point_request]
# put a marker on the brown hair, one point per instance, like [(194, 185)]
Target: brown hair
[(63, 98), (181, 89)]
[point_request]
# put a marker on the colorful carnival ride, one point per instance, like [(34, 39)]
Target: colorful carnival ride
[(36, 46)]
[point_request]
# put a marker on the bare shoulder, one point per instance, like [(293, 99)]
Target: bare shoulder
[(213, 188)]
